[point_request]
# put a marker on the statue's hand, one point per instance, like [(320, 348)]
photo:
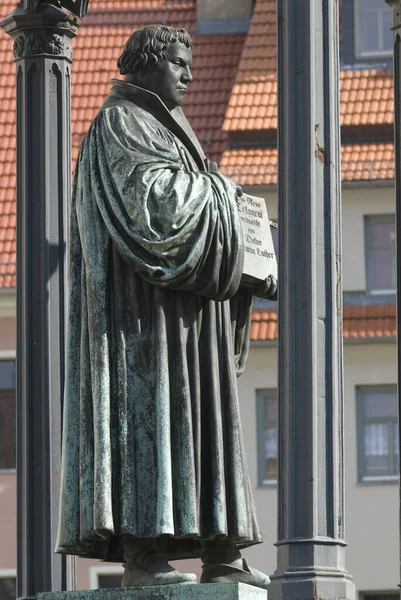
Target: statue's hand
[(211, 167), (267, 289), (238, 193)]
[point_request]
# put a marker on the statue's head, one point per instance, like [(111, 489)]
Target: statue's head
[(158, 58)]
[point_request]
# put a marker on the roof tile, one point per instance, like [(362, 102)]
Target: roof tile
[(257, 69), (359, 162), (359, 322), (96, 49)]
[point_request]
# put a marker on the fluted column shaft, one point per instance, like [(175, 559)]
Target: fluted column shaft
[(310, 542), (42, 51)]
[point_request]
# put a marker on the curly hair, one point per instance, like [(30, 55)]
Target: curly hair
[(148, 46)]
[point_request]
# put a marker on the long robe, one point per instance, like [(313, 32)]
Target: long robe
[(158, 331)]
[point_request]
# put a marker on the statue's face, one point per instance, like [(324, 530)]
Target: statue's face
[(170, 78)]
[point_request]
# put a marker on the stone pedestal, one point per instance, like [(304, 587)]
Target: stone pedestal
[(212, 591)]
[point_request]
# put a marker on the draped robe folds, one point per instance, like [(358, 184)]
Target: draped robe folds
[(158, 331)]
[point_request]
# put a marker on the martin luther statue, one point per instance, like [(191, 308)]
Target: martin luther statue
[(154, 467)]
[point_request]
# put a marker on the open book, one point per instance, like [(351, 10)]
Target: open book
[(260, 256)]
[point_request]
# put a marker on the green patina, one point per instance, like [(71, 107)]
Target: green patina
[(224, 591), (158, 333)]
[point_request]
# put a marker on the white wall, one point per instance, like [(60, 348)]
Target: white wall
[(358, 202), (261, 372), (371, 509)]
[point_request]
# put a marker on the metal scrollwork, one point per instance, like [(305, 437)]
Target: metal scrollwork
[(54, 45), (76, 7), (19, 46), (35, 43)]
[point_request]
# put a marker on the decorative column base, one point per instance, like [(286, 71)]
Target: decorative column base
[(208, 591), (297, 577), (308, 585)]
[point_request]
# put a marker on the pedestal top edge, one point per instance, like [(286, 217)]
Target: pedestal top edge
[(212, 591)]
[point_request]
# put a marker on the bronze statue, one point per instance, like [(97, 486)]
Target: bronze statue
[(153, 462)]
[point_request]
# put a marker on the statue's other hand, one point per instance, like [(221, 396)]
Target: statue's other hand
[(239, 190), (238, 194), (267, 289), (211, 166)]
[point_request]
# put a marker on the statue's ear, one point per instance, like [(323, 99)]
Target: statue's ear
[(77, 7)]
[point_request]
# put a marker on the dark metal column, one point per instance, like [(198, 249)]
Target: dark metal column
[(42, 50), (396, 6), (310, 487)]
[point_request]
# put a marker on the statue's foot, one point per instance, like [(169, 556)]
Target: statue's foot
[(234, 573), (157, 572)]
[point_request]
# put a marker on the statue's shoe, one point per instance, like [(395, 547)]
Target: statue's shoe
[(158, 572), (223, 573)]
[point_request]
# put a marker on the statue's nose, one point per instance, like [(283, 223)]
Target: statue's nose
[(187, 75)]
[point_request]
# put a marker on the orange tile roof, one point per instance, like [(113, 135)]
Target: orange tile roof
[(359, 162), (136, 13), (253, 102), (101, 38), (7, 158), (219, 61), (96, 48), (250, 166), (360, 322), (366, 95), (264, 325)]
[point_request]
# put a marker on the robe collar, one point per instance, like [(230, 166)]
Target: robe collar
[(174, 120)]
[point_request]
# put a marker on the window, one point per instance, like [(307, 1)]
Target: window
[(7, 587), (267, 413), (7, 414), (101, 577), (377, 433), (381, 271), (109, 581), (373, 22)]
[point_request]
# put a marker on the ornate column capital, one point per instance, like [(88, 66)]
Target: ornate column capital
[(46, 30)]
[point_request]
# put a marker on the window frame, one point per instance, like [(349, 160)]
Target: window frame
[(261, 394), (385, 54), (379, 594), (378, 218), (94, 573), (361, 420), (9, 355)]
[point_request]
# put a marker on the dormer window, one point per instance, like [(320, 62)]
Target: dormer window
[(373, 36), (223, 16)]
